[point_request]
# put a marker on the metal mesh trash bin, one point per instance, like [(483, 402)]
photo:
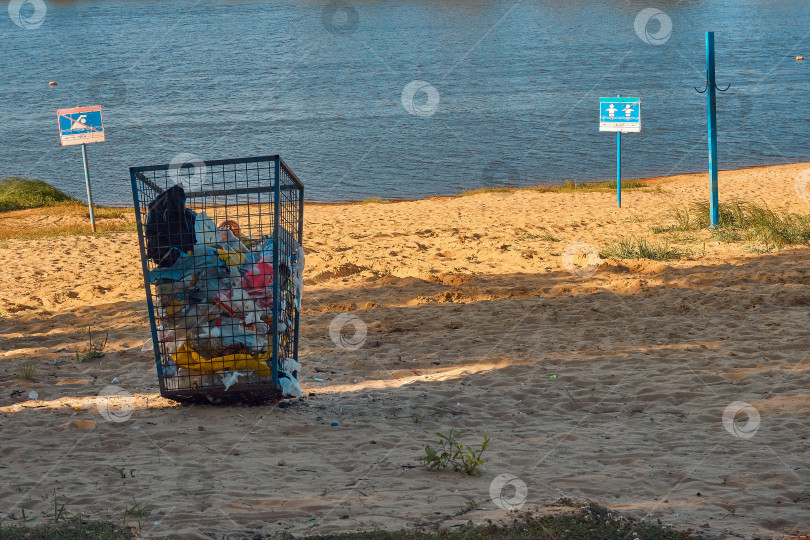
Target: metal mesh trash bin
[(222, 260)]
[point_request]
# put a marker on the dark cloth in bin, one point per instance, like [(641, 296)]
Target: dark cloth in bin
[(169, 229)]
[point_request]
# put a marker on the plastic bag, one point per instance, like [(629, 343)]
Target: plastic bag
[(290, 387), (169, 229), (204, 229)]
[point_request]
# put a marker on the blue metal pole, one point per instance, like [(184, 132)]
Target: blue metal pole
[(618, 169), (276, 268), (89, 192), (711, 105)]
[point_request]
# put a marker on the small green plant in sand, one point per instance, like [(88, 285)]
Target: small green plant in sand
[(65, 526), (451, 453), (94, 349), (138, 510), (26, 371), (58, 511), (631, 248), (123, 471), (27, 519)]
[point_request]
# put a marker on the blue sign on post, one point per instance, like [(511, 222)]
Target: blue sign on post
[(80, 125), (620, 114)]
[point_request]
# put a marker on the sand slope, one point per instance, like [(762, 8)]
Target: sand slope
[(610, 388)]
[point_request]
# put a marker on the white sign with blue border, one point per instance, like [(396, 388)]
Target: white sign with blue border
[(620, 114), (80, 125)]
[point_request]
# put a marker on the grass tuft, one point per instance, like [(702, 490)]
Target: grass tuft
[(21, 193), (631, 248), (26, 371), (744, 221)]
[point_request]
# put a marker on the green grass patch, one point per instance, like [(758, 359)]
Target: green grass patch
[(375, 200), (609, 185), (586, 522), (479, 191), (68, 530), (103, 230), (101, 212), (25, 194), (632, 248), (21, 193), (744, 221), (75, 222), (568, 186)]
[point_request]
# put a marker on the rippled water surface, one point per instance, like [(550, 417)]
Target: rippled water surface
[(517, 84)]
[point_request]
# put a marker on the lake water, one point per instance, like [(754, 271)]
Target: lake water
[(321, 84)]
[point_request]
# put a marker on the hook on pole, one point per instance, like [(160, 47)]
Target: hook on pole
[(706, 88)]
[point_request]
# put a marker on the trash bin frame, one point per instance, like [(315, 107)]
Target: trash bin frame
[(283, 180)]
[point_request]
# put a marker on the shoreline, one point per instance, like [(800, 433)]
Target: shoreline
[(650, 181)]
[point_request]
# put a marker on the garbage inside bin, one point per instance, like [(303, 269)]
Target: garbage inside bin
[(223, 295)]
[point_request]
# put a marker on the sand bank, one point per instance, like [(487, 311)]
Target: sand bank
[(609, 387)]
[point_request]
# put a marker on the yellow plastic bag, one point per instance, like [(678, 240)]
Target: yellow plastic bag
[(187, 357)]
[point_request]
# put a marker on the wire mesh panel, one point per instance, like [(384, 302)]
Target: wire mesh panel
[(223, 268)]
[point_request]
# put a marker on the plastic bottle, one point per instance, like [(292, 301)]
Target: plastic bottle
[(226, 238)]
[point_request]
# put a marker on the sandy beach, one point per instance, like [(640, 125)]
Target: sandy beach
[(609, 386)]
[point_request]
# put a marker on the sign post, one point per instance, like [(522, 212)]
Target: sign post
[(82, 125), (618, 169), (89, 191), (711, 106), (622, 115)]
